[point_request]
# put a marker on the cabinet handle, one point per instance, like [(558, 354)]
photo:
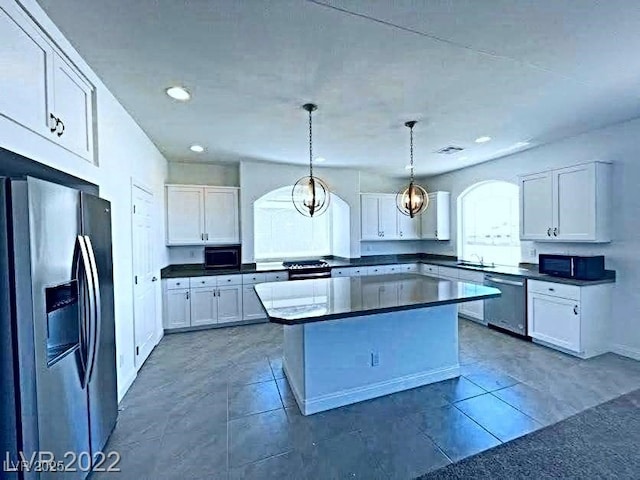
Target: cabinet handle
[(400, 233), (552, 289), (60, 132), (187, 295), (555, 232), (206, 235), (53, 124), (549, 232), (154, 279), (575, 309)]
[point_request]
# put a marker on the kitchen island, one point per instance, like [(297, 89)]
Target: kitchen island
[(351, 339)]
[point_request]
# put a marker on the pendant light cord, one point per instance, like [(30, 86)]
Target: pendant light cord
[(310, 145), (411, 149)]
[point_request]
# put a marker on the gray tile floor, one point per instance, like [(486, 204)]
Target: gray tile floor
[(215, 405)]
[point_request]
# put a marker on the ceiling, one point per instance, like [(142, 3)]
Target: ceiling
[(516, 70)]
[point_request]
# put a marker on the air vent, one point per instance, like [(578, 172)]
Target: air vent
[(450, 150)]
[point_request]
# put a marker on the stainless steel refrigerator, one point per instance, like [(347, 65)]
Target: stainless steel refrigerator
[(58, 370)]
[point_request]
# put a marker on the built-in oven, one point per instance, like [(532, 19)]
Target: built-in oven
[(222, 257)]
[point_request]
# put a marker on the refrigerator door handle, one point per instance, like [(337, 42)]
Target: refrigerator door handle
[(82, 273), (97, 313)]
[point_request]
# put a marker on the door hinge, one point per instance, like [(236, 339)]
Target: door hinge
[(137, 351), (135, 279), (134, 209)]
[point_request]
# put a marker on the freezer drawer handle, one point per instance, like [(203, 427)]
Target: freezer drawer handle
[(505, 282)]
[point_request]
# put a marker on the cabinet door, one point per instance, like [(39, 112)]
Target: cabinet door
[(230, 304), (370, 229), (185, 215), (408, 228), (251, 306), (387, 218), (203, 306), (177, 308), (73, 106), (555, 320), (574, 195), (221, 216), (388, 294), (536, 207), (25, 64), (429, 219)]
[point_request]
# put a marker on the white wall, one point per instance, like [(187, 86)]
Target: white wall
[(125, 154), (219, 174), (619, 144), (258, 178)]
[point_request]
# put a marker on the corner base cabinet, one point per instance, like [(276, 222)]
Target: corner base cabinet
[(569, 318), (571, 204)]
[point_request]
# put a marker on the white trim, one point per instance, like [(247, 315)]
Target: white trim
[(126, 384), (225, 187), (367, 392), (626, 351)]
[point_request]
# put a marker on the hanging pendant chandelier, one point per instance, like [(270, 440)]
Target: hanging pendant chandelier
[(310, 194), (414, 199)]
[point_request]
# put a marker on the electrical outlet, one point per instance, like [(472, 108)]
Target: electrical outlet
[(533, 252), (192, 254), (375, 359)]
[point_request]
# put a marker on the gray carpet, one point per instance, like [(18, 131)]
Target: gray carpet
[(601, 442)]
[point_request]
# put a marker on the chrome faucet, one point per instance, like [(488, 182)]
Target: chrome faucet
[(481, 259)]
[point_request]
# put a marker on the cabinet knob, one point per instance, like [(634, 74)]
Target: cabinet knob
[(154, 279), (575, 309)]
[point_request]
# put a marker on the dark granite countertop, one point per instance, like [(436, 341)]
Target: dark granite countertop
[(305, 301), (529, 271)]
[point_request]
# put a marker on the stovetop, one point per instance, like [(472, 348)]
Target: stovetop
[(303, 264)]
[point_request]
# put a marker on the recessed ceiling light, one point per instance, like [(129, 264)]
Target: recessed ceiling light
[(178, 93), (196, 148), (483, 139), (320, 160)]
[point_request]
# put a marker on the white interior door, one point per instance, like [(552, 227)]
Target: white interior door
[(536, 207), (24, 57), (144, 276), (221, 216)]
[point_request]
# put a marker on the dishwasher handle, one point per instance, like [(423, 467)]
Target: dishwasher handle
[(505, 282)]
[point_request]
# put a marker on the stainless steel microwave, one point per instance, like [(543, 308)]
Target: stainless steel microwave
[(572, 266), (222, 257)]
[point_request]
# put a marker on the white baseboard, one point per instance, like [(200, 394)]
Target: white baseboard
[(367, 392), (123, 387), (626, 351)]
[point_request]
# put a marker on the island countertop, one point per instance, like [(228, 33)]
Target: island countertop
[(304, 301)]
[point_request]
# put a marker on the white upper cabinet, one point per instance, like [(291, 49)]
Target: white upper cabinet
[(72, 108), (381, 219), (569, 204), (221, 215), (41, 90), (201, 215), (185, 215), (436, 222), (536, 206), (24, 61)]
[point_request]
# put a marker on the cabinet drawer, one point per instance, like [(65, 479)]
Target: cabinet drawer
[(474, 277), (253, 278), (394, 269), (427, 269), (378, 270), (449, 272), (196, 282), (177, 283), (554, 289), (277, 276), (222, 280), (340, 272), (409, 267)]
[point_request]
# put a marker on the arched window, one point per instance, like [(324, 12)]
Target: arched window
[(280, 231), (488, 223)]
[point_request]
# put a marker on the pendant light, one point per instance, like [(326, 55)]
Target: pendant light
[(310, 194), (414, 199)]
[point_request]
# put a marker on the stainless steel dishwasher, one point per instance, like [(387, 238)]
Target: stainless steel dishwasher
[(508, 311)]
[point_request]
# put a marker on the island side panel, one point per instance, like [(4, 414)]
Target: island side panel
[(293, 361), (413, 348)]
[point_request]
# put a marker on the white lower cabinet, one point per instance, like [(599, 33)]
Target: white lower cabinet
[(229, 304), (177, 308), (570, 318), (203, 306), (473, 310), (251, 306)]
